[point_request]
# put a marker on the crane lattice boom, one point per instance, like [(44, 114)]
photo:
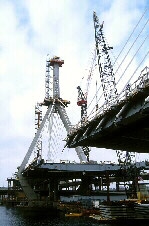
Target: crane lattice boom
[(105, 65), (108, 82)]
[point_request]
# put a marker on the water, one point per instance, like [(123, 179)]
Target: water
[(14, 217)]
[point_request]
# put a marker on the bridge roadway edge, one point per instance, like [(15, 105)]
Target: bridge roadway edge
[(123, 127)]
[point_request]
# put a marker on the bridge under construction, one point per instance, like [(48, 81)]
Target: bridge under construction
[(121, 124), (124, 126)]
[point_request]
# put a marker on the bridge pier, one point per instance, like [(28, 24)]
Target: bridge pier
[(56, 197), (108, 185)]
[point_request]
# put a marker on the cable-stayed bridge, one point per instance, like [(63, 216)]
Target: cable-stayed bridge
[(121, 120), (120, 123)]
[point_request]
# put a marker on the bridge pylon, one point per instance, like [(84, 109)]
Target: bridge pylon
[(52, 97), (54, 104)]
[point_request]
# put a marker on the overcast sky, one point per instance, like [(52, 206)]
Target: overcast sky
[(31, 29)]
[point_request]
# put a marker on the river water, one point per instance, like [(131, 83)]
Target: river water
[(14, 217)]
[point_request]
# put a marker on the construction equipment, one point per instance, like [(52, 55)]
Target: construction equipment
[(104, 63), (109, 85), (82, 101)]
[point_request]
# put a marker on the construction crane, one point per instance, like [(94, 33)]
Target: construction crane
[(82, 96), (82, 101), (108, 84), (105, 65)]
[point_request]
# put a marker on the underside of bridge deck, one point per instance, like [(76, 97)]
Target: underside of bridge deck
[(123, 127)]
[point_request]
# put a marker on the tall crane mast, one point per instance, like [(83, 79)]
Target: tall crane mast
[(104, 63), (109, 85)]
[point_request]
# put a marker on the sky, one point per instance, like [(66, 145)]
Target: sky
[(31, 29)]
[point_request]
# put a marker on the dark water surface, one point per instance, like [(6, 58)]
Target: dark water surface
[(15, 217)]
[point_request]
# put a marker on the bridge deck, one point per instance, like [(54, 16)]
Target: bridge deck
[(124, 126), (87, 167), (68, 170)]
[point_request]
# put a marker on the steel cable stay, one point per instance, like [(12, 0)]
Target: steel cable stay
[(91, 71), (116, 58), (50, 127), (55, 145), (61, 138), (101, 109), (95, 95), (130, 36), (54, 135), (132, 59), (98, 100), (59, 133), (130, 49), (89, 77), (133, 42), (133, 56), (134, 72), (94, 109), (122, 61), (53, 140)]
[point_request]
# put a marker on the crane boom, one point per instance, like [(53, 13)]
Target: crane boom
[(109, 85), (104, 63)]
